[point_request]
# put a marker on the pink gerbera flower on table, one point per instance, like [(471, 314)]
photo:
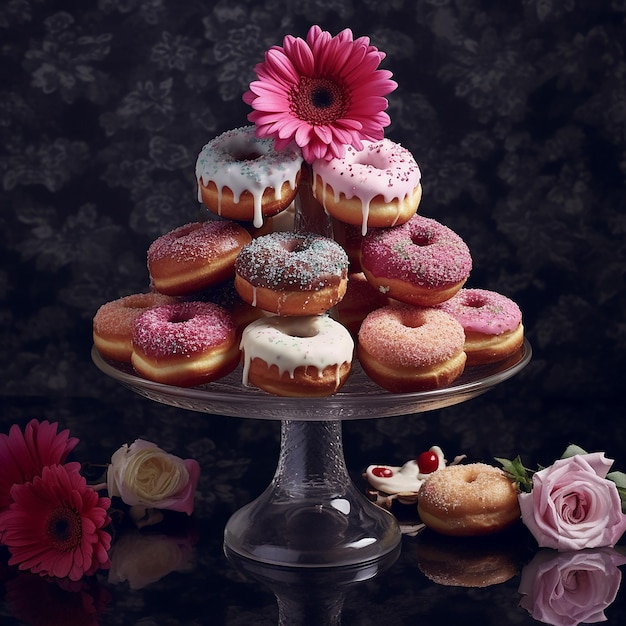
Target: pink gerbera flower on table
[(24, 455), (55, 523), (323, 93)]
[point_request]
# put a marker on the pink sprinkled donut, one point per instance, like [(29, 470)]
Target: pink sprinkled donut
[(185, 344), (492, 324), (195, 256), (379, 186), (405, 348), (113, 323), (292, 273), (421, 262)]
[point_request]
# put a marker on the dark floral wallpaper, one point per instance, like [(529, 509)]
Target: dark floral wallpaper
[(515, 111)]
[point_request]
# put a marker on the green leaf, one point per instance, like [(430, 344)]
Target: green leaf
[(517, 472), (572, 450), (619, 478)]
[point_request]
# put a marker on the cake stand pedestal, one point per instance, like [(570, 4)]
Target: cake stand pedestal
[(312, 515)]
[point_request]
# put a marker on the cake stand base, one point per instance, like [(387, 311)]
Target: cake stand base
[(312, 515)]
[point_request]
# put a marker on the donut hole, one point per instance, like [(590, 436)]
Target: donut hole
[(180, 317), (475, 301), (247, 155), (421, 239), (373, 159), (304, 333), (294, 246)]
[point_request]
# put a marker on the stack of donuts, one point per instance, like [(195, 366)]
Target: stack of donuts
[(295, 308)]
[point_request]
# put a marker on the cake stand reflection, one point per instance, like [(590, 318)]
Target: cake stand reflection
[(312, 515)]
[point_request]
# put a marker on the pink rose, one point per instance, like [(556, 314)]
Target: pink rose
[(573, 506), (568, 588), (143, 475)]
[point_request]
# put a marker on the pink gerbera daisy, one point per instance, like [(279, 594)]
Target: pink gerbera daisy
[(54, 525), (323, 93), (24, 455)]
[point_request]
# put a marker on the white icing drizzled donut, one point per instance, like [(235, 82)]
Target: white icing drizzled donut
[(242, 177), (301, 356)]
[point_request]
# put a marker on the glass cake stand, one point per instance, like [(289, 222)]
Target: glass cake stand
[(312, 515)]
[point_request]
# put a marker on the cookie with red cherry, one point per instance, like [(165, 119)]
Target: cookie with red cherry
[(389, 483)]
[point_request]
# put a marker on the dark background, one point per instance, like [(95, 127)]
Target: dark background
[(516, 113)]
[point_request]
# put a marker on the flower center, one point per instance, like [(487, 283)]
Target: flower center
[(318, 100), (64, 529)]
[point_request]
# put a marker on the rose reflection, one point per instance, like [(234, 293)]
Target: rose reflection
[(569, 588), (143, 558)]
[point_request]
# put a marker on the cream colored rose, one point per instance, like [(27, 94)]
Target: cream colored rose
[(144, 475)]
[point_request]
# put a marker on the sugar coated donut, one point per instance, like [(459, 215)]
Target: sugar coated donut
[(466, 500), (242, 177), (360, 300), (492, 324), (296, 356), (113, 323), (421, 262), (378, 186), (292, 273), (185, 344), (405, 348), (195, 256)]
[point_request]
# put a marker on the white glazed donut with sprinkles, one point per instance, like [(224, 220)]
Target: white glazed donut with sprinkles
[(242, 177)]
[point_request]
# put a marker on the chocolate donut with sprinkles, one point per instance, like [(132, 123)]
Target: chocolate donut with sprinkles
[(292, 273)]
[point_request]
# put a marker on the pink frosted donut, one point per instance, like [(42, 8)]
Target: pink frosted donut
[(195, 256), (492, 324), (113, 323), (378, 186), (185, 344), (242, 177), (405, 348), (421, 262)]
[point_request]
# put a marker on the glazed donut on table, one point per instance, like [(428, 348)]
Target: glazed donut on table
[(421, 262), (242, 177), (296, 356), (468, 500), (113, 323), (292, 273), (378, 186), (192, 257), (185, 344), (405, 348), (492, 324)]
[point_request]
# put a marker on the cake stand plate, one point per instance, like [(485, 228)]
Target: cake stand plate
[(312, 515)]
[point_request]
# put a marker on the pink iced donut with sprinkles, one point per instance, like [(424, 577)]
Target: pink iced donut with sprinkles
[(242, 177), (185, 344), (195, 256), (492, 324), (404, 348), (421, 262), (379, 186)]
